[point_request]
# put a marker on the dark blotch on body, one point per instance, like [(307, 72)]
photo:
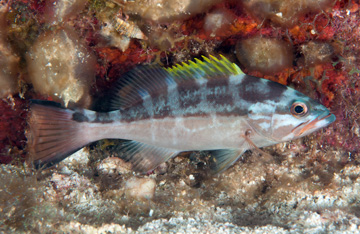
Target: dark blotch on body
[(79, 117), (103, 118), (189, 94), (162, 108), (253, 89), (135, 113), (218, 92)]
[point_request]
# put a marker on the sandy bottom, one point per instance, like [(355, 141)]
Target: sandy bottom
[(293, 191)]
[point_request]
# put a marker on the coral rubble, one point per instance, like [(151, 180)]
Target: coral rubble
[(140, 188)]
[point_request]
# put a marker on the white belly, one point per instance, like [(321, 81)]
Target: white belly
[(183, 134)]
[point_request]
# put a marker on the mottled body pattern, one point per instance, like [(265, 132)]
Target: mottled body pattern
[(207, 105)]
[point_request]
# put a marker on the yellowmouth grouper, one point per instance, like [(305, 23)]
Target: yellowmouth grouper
[(200, 105)]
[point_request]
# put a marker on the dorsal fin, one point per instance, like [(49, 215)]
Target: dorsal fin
[(138, 84), (209, 68), (145, 81)]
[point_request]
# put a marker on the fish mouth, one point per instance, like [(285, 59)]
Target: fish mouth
[(311, 126)]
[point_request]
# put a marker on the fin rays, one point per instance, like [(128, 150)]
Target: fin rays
[(149, 81), (138, 84), (145, 157), (53, 135), (209, 68), (224, 158)]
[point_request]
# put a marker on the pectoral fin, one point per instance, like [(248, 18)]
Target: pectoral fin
[(224, 158), (145, 157)]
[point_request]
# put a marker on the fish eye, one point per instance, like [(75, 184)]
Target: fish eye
[(298, 109)]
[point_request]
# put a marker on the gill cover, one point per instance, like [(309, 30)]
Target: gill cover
[(292, 116)]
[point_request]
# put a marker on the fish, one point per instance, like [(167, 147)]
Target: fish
[(207, 104)]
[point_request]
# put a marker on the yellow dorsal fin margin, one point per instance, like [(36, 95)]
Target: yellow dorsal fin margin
[(208, 68)]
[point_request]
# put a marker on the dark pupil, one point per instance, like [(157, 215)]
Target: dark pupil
[(299, 109)]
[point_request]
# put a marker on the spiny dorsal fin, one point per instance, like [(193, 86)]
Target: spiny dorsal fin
[(205, 69), (138, 84), (144, 82)]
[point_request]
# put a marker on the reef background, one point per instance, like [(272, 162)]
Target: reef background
[(309, 185)]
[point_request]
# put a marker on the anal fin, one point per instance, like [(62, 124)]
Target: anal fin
[(224, 158), (145, 157)]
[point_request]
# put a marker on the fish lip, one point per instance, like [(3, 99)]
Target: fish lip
[(327, 118), (302, 128), (324, 116)]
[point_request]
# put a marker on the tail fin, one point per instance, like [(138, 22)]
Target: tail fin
[(53, 134)]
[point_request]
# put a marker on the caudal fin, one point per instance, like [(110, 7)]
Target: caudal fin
[(53, 134)]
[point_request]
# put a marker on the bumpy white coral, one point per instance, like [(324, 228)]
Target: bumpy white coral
[(61, 66), (284, 12), (163, 11), (267, 55), (8, 61), (57, 11)]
